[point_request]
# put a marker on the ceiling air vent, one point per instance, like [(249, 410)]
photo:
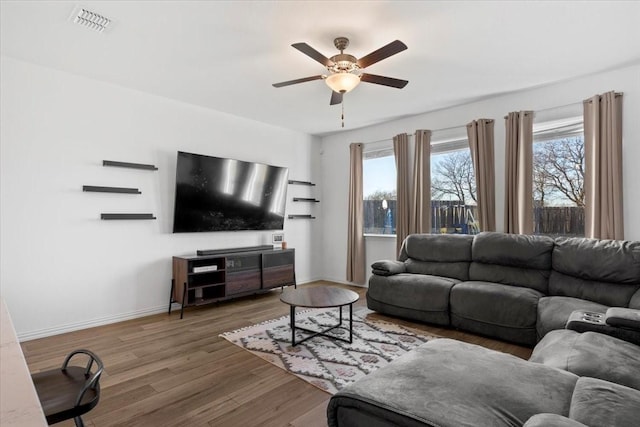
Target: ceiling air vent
[(91, 20)]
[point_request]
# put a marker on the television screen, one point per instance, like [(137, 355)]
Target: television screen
[(217, 194)]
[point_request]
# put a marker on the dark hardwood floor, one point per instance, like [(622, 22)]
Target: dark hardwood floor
[(163, 371)]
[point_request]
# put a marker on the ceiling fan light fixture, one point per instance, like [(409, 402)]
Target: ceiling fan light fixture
[(342, 82)]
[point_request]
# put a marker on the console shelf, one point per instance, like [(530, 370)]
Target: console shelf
[(199, 280)]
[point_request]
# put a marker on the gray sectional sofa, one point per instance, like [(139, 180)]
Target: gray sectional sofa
[(512, 287), (522, 289), (447, 383)]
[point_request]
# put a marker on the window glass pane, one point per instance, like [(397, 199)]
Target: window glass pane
[(558, 185), (453, 191), (379, 190)]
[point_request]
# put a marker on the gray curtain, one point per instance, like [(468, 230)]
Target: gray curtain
[(403, 208), (480, 134), (603, 166), (518, 206), (355, 238), (420, 215)]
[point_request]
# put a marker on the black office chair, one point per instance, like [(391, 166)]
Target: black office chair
[(70, 391)]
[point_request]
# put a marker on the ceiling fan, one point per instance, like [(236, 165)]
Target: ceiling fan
[(345, 71)]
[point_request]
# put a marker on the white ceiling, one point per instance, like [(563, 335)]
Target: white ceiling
[(224, 55)]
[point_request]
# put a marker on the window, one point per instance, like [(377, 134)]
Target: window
[(379, 190), (558, 178), (453, 188)]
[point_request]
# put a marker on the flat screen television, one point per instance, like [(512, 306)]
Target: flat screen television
[(218, 194)]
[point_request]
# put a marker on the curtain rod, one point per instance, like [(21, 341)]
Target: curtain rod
[(590, 100), (464, 126), (555, 107), (566, 105), (412, 135)]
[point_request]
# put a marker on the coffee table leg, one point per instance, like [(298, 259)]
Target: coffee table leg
[(350, 323), (293, 325)]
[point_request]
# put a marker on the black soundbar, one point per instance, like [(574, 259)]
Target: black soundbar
[(203, 252)]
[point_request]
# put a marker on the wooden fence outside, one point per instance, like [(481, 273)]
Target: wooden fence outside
[(452, 217), (559, 220)]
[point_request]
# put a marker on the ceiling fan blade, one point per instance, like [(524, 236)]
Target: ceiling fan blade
[(293, 82), (336, 98), (382, 53), (382, 80), (312, 53)]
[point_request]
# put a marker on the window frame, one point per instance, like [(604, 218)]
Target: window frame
[(446, 140), (552, 130)]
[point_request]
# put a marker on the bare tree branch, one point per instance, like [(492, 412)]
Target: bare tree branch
[(453, 176), (559, 170)]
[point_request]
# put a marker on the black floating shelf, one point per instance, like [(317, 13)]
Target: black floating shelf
[(305, 199), (301, 217), (94, 188), (129, 165), (127, 216), (293, 181)]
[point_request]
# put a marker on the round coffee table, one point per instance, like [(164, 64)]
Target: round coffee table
[(319, 297)]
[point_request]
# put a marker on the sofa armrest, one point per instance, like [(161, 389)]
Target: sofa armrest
[(623, 318), (388, 268), (584, 321)]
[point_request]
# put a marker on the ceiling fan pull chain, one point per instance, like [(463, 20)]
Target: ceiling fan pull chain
[(342, 112)]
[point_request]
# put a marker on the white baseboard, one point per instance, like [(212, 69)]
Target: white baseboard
[(344, 282), (101, 321), (341, 282)]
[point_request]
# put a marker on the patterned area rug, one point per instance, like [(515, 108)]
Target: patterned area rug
[(326, 363)]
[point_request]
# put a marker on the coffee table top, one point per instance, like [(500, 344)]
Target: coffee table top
[(319, 297)]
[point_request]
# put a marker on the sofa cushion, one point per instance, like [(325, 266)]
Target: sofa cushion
[(445, 255), (606, 293), (457, 270), (635, 300), (413, 296), (451, 383), (553, 312), (512, 259), (590, 354), (551, 420), (601, 403), (614, 261), (603, 271), (502, 311)]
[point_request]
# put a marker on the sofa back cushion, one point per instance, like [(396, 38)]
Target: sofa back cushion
[(446, 255), (603, 271), (512, 259), (635, 300)]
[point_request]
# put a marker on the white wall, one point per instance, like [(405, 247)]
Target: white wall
[(335, 153), (62, 268)]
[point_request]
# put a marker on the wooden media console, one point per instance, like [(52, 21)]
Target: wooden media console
[(199, 280)]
